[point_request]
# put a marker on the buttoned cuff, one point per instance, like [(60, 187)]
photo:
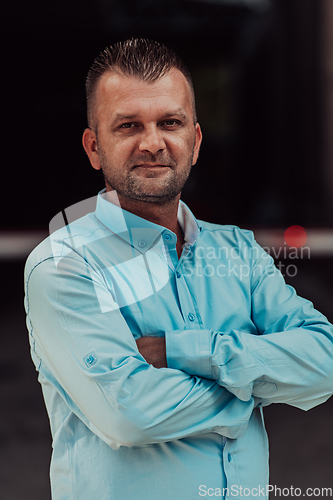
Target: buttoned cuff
[(190, 351)]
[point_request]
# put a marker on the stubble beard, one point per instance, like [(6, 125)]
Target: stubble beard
[(136, 187)]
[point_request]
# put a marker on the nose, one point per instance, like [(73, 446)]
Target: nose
[(151, 139)]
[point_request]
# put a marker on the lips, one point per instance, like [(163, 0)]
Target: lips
[(148, 165)]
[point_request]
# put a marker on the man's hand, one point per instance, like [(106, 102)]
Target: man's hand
[(153, 350)]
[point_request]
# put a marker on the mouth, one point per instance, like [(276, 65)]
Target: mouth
[(151, 165)]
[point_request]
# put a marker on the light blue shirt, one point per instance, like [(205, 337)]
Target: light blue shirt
[(237, 338)]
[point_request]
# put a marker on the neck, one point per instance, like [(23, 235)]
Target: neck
[(163, 214)]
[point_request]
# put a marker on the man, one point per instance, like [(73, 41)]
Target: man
[(158, 338)]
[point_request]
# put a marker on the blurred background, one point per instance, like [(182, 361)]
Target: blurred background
[(263, 77)]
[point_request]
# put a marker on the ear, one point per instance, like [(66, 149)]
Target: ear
[(89, 141), (197, 144)]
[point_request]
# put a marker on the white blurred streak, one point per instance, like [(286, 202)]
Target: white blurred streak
[(18, 245), (319, 241)]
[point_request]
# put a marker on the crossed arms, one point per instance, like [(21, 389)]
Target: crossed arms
[(213, 380), (153, 350)]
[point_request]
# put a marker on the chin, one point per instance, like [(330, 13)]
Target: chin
[(156, 197)]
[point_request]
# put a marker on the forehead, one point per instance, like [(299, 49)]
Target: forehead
[(118, 93)]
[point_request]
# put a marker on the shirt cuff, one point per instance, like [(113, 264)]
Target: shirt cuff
[(190, 351)]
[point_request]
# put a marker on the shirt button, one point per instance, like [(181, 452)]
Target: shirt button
[(142, 243), (90, 359), (167, 237), (191, 317), (229, 457), (178, 274)]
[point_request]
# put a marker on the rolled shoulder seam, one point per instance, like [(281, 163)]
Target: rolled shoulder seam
[(50, 257)]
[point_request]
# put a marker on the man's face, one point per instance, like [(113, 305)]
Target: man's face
[(146, 139)]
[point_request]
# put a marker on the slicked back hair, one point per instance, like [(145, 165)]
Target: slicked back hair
[(145, 59)]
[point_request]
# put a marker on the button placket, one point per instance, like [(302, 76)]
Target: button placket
[(188, 308)]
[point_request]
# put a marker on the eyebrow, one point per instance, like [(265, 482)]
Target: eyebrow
[(120, 116), (178, 112)]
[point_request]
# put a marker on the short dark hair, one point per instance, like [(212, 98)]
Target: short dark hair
[(145, 59)]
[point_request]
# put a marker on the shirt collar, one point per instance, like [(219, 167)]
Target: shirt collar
[(139, 232), (188, 223)]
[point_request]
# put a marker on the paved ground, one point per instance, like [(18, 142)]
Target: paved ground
[(301, 442)]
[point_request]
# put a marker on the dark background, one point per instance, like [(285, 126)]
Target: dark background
[(258, 80), (258, 76)]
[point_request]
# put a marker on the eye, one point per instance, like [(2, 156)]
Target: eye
[(171, 123), (127, 125)]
